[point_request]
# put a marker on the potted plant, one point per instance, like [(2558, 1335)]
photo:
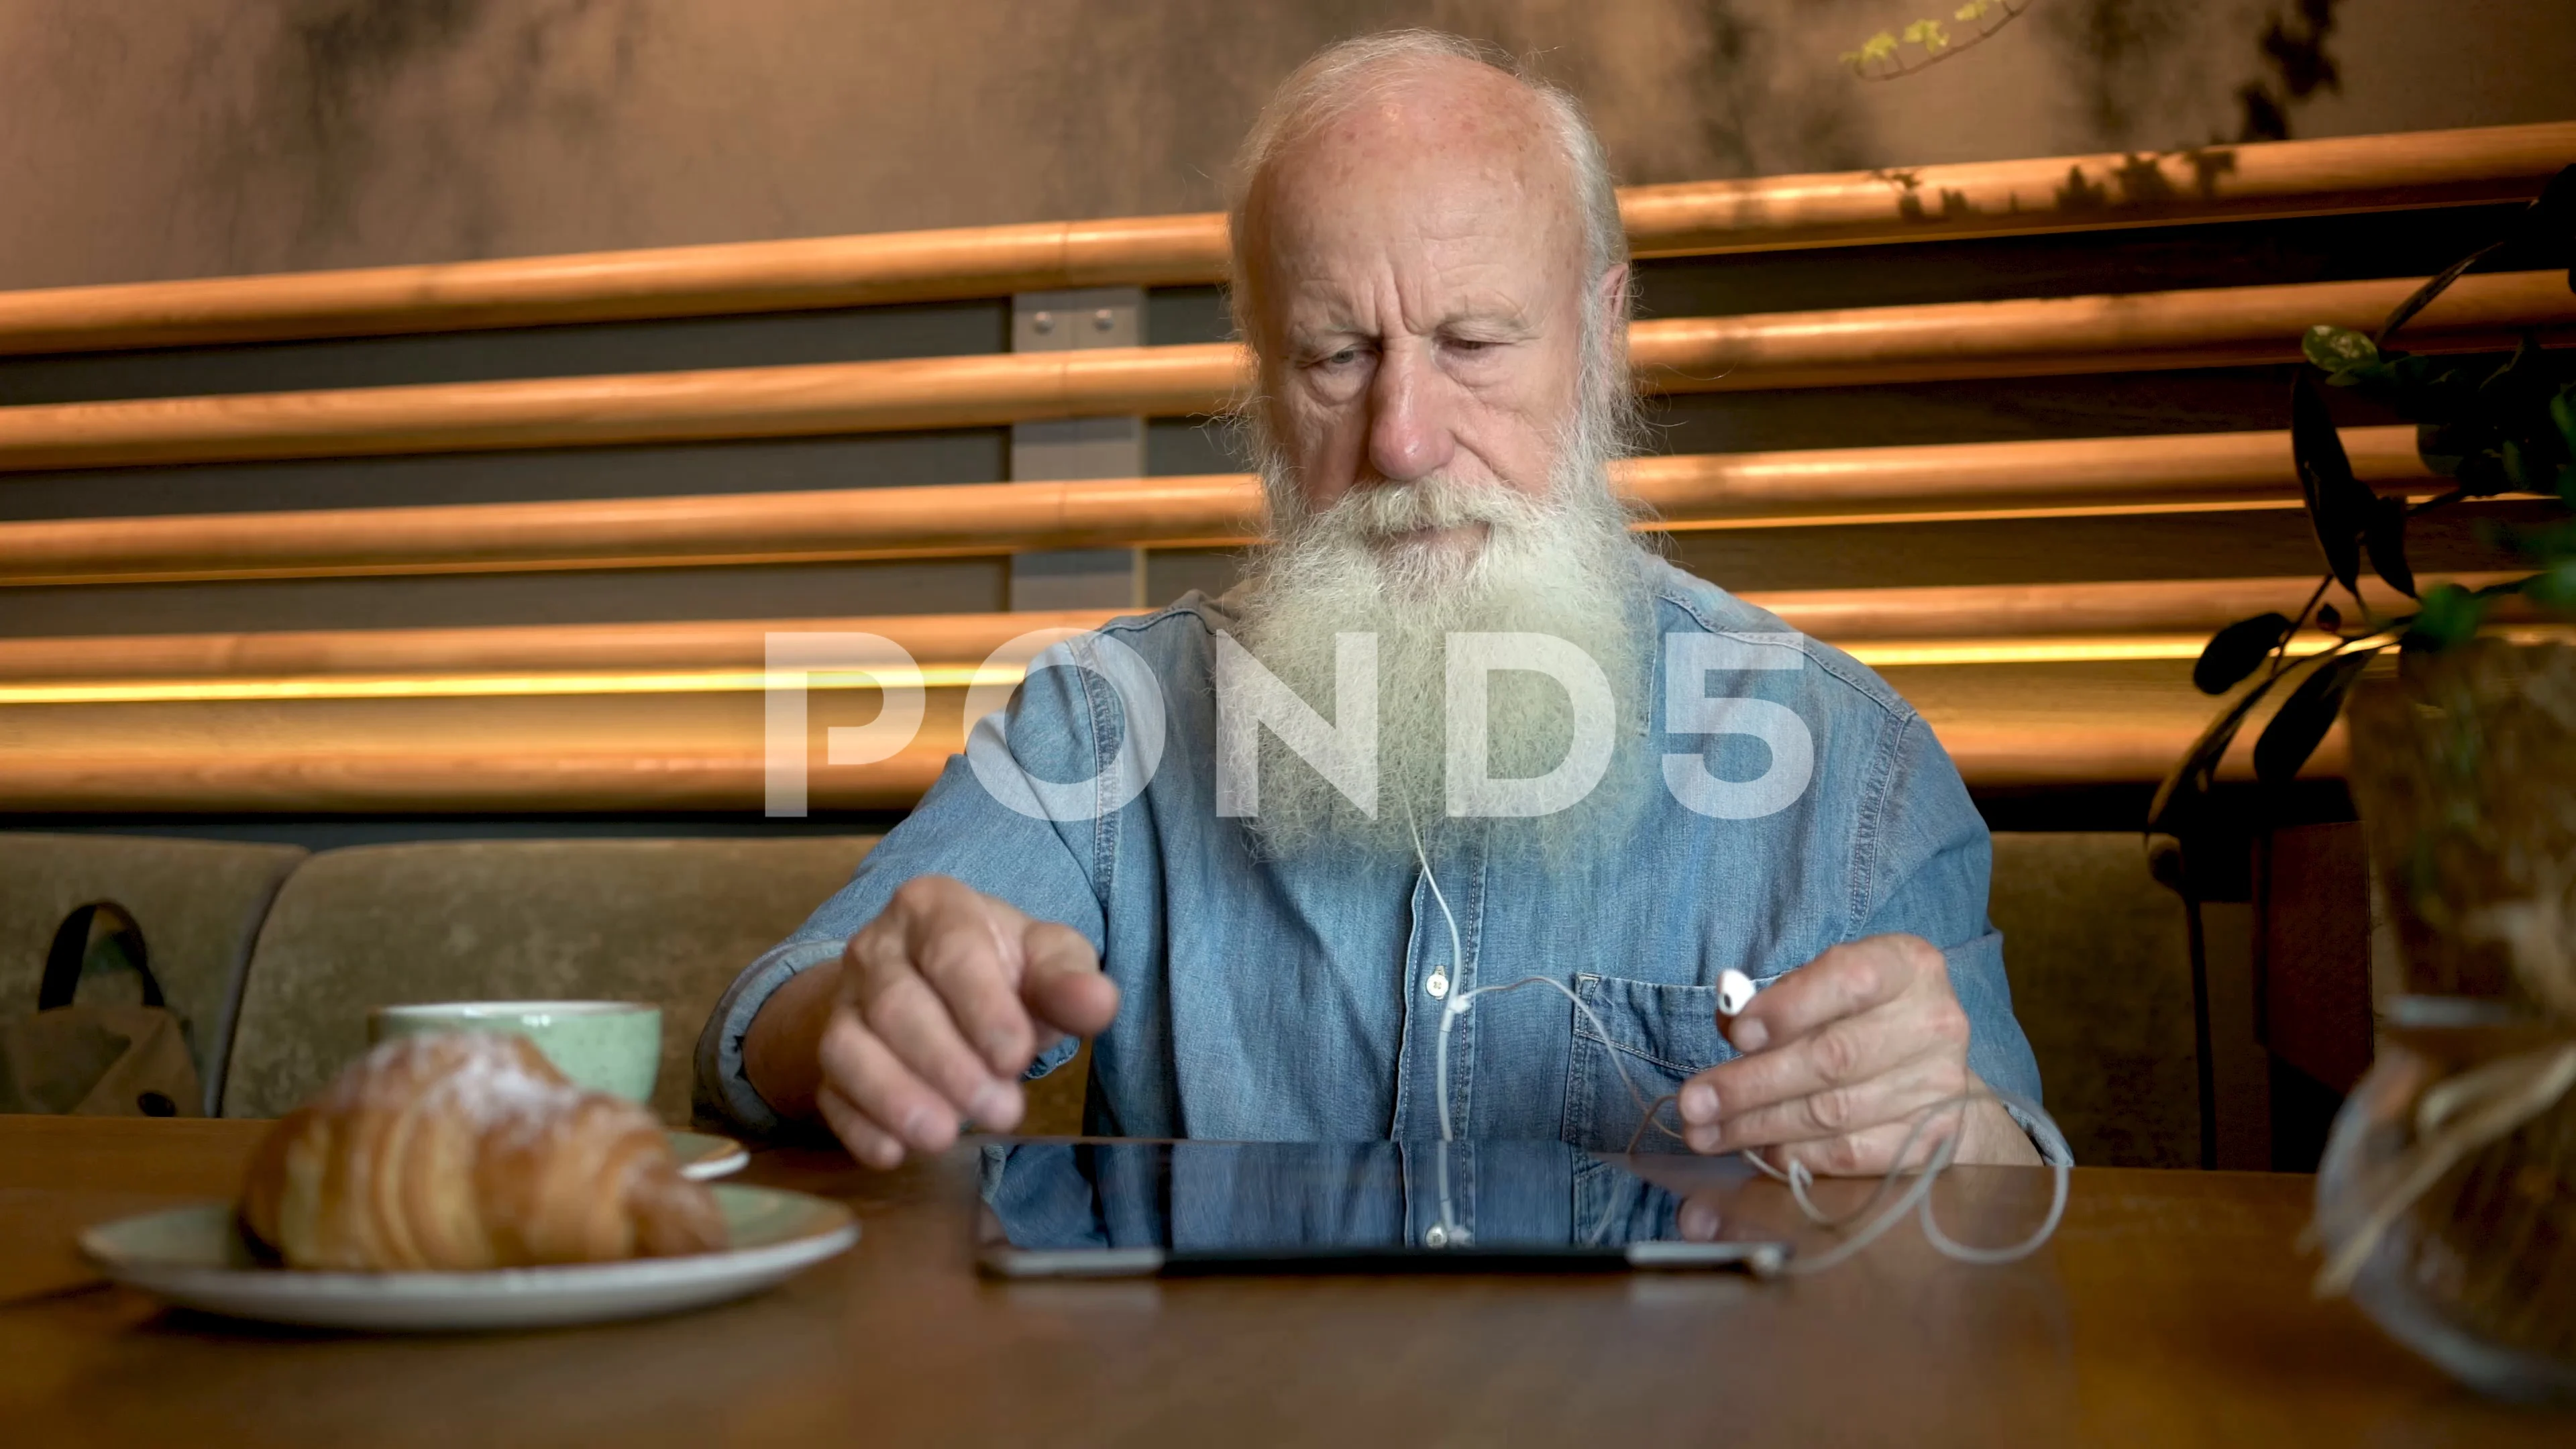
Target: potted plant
[(2447, 1200)]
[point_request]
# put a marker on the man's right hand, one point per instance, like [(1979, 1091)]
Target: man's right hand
[(926, 1022)]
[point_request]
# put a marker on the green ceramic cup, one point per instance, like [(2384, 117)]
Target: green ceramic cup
[(607, 1046)]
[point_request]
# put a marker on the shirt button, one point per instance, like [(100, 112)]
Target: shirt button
[(1438, 986)]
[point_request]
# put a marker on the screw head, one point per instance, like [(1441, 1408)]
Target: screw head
[(1103, 320), (1044, 322)]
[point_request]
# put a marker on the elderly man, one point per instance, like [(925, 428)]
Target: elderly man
[(1265, 941)]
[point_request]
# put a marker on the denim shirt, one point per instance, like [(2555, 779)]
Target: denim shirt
[(1266, 998)]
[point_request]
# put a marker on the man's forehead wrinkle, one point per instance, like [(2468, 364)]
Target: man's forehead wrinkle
[(1446, 193), (1383, 301), (1479, 197)]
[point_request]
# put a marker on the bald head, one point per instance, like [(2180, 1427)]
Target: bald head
[(1430, 269), (1436, 143), (1461, 101)]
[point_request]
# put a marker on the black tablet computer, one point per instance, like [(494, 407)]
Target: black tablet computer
[(1115, 1209)]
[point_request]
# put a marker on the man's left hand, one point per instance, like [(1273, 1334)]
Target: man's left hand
[(1842, 1058)]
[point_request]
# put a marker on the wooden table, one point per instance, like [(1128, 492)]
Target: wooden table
[(2170, 1309)]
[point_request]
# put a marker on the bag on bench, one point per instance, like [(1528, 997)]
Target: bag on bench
[(97, 1061)]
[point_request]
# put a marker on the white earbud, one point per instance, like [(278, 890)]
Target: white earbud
[(1734, 992)]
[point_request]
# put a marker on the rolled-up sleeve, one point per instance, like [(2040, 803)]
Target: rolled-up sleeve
[(1050, 869), (1931, 863)]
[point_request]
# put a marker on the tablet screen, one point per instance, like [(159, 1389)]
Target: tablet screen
[(1132, 1207)]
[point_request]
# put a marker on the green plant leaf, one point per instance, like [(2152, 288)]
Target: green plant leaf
[(2434, 286), (2338, 505), (2238, 650), (2183, 790), (2553, 588), (2338, 349), (2552, 217), (2385, 537), (2518, 387), (2482, 475), (2449, 617), (2517, 466), (2443, 447), (2300, 725)]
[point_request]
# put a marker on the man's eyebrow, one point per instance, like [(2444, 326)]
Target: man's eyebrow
[(1507, 321), (1330, 336)]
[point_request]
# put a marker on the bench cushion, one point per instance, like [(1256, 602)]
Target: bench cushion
[(663, 921), (199, 903), (2100, 960)]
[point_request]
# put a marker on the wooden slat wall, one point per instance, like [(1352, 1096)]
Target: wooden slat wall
[(2214, 327), (477, 621), (2061, 193)]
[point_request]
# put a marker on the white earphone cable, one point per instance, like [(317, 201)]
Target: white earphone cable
[(1916, 1196)]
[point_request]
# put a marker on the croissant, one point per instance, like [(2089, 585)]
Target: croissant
[(469, 1150)]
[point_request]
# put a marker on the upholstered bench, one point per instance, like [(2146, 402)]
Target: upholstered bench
[(199, 903), (2098, 953)]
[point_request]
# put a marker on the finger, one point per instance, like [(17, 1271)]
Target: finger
[(967, 945), (1698, 1219), (867, 1141), (1839, 1053), (913, 1022), (1064, 984), (863, 1070), (1899, 1096), (1846, 980)]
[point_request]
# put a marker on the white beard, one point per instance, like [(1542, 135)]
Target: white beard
[(1565, 565)]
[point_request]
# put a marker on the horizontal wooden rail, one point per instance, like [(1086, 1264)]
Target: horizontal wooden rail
[(2046, 477), (1976, 199), (1850, 617), (508, 768), (2053, 336), (502, 649), (492, 777), (745, 402), (497, 776), (952, 520), (2103, 475), (2088, 193), (2205, 327)]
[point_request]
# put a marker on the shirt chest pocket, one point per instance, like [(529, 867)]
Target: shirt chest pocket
[(1659, 1035)]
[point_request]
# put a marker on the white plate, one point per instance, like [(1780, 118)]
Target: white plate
[(703, 1155), (195, 1257)]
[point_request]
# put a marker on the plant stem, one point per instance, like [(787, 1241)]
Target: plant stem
[(2281, 651), (1972, 42)]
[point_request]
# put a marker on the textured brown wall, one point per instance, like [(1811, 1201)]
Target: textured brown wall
[(162, 138)]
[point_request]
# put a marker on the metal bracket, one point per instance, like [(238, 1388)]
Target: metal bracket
[(1087, 578)]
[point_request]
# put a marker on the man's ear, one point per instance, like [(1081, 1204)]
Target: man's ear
[(1610, 305)]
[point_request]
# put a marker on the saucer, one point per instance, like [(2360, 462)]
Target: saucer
[(195, 1258), (703, 1155)]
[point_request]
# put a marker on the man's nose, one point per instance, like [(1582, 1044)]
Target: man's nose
[(1409, 433)]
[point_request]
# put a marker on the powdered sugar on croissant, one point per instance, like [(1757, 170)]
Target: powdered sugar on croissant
[(469, 1150)]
